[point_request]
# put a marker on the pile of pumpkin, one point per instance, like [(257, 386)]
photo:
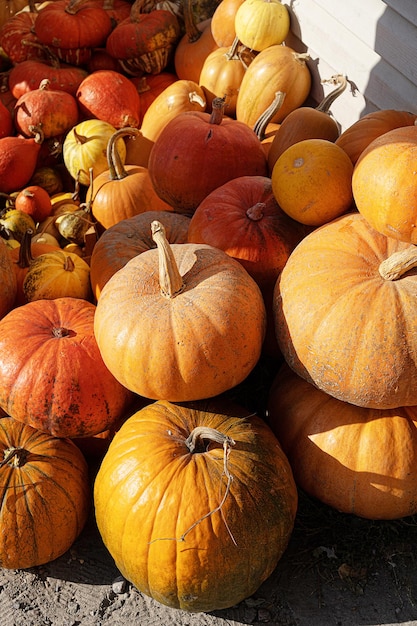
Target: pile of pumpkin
[(172, 213)]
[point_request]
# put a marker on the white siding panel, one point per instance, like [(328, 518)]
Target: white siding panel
[(373, 46)]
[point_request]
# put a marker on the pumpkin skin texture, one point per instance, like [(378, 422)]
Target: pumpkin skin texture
[(57, 381), (189, 554), (358, 460), (312, 181), (384, 185), (262, 23), (202, 322), (359, 135), (197, 152), (340, 324), (39, 524), (128, 238)]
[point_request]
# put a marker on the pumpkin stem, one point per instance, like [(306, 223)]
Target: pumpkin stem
[(326, 103), (25, 252), (265, 118), (59, 332), (69, 265), (170, 279), (232, 51), (217, 112), (256, 212), (205, 432), (16, 457), (398, 263), (191, 29), (116, 169)]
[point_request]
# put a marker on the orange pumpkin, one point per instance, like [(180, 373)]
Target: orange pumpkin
[(312, 181), (8, 281), (194, 479), (223, 22), (128, 238), (361, 461), (56, 381), (202, 321), (359, 135), (45, 495), (345, 314), (384, 184), (277, 68)]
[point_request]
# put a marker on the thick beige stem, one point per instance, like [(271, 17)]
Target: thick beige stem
[(399, 263), (170, 279)]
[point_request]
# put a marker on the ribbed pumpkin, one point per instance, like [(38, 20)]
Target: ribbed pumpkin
[(57, 274), (128, 238), (8, 282), (202, 321), (262, 23), (45, 495), (359, 135), (197, 152), (120, 192), (360, 461), (346, 314), (277, 68), (214, 498), (384, 183), (56, 381)]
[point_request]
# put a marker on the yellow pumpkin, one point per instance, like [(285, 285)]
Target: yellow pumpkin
[(57, 274), (262, 23)]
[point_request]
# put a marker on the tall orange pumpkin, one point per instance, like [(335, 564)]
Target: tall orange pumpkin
[(214, 498), (45, 495), (202, 321), (346, 314), (8, 280)]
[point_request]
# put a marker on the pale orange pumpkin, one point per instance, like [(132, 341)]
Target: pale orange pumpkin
[(202, 321)]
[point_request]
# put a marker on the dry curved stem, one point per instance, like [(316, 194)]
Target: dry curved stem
[(170, 279), (398, 263), (341, 81), (265, 118), (205, 432), (16, 457)]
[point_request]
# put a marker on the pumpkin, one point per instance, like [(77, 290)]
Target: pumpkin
[(85, 148), (277, 68), (197, 152), (194, 46), (72, 29), (182, 95), (307, 123), (223, 22), (359, 135), (262, 23), (57, 274), (27, 75), (189, 345), (149, 86), (35, 201), (8, 284), (9, 8), (213, 495), (128, 238), (55, 111), (384, 186), (56, 381), (222, 74), (49, 178), (16, 34), (122, 191), (6, 121), (360, 461), (15, 223), (312, 181), (45, 494), (145, 42), (345, 314), (109, 96), (18, 159)]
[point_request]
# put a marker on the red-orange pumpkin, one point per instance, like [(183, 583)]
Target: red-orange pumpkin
[(52, 376), (197, 152), (8, 282), (45, 495), (214, 498), (361, 461)]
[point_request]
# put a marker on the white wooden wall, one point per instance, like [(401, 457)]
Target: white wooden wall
[(372, 42)]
